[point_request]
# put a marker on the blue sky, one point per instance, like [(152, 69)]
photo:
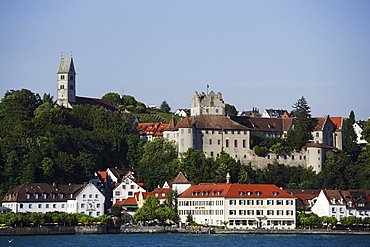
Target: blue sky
[(264, 54)]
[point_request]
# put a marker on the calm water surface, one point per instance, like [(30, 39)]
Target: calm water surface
[(117, 240)]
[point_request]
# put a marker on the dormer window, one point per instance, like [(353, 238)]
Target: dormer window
[(275, 193), (241, 193), (44, 195), (258, 193), (249, 193), (28, 195), (52, 196), (36, 196)]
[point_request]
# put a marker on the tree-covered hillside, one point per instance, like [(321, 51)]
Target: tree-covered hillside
[(41, 142)]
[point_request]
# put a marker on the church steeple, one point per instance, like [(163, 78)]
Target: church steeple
[(66, 82)]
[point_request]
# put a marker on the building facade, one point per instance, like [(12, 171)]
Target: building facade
[(239, 206), (43, 198)]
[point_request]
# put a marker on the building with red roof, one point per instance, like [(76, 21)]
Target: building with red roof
[(243, 206)]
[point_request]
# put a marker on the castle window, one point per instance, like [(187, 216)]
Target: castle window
[(219, 142), (216, 110), (71, 77), (61, 87), (62, 77), (71, 87), (236, 143), (227, 143), (244, 143)]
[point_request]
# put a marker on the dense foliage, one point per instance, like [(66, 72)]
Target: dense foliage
[(51, 218), (42, 142)]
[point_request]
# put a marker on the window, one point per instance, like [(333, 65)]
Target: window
[(270, 212), (210, 141), (44, 196), (241, 202), (279, 212), (227, 143), (40, 205), (275, 193), (236, 143), (36, 196), (244, 143), (289, 212), (82, 205), (132, 186), (54, 206), (71, 87), (259, 212), (29, 205), (218, 142), (90, 195), (71, 78), (270, 202), (241, 212), (279, 202), (249, 202), (259, 202), (258, 193), (232, 202), (84, 196), (20, 205), (47, 205), (232, 212), (98, 205), (333, 210), (97, 213), (130, 193), (118, 193)]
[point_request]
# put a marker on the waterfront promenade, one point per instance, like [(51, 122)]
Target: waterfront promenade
[(68, 230)]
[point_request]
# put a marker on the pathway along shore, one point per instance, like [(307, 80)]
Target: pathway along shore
[(68, 230)]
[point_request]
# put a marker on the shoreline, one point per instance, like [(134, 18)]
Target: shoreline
[(82, 230)]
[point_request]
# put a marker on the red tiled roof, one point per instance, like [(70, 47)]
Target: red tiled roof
[(155, 129), (235, 191), (130, 201), (102, 175), (160, 193), (318, 123), (338, 122)]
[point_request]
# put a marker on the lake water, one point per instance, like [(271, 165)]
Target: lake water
[(117, 240)]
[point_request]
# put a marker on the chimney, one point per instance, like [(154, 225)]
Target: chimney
[(54, 184)]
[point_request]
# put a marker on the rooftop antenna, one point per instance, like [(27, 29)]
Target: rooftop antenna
[(71, 54), (207, 88), (61, 54)]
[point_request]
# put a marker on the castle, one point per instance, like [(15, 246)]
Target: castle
[(209, 129)]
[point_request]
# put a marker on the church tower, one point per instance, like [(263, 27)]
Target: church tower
[(66, 82)]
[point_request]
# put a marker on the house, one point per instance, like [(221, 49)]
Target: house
[(43, 198), (182, 112), (275, 113), (127, 188), (149, 131), (66, 91), (358, 126), (242, 206), (342, 203)]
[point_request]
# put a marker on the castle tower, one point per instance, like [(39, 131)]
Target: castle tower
[(66, 91), (207, 105)]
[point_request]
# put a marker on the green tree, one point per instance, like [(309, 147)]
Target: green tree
[(156, 163), (300, 134), (350, 137), (230, 109), (165, 107), (224, 165), (113, 98), (334, 174), (148, 211), (329, 220)]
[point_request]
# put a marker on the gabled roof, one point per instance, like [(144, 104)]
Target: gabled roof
[(102, 175), (318, 123), (20, 193), (334, 196), (338, 123), (154, 129), (181, 179)]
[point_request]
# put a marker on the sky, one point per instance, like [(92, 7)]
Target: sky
[(257, 53)]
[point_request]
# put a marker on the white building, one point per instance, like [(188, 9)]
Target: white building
[(242, 206), (126, 189), (342, 203), (43, 198)]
